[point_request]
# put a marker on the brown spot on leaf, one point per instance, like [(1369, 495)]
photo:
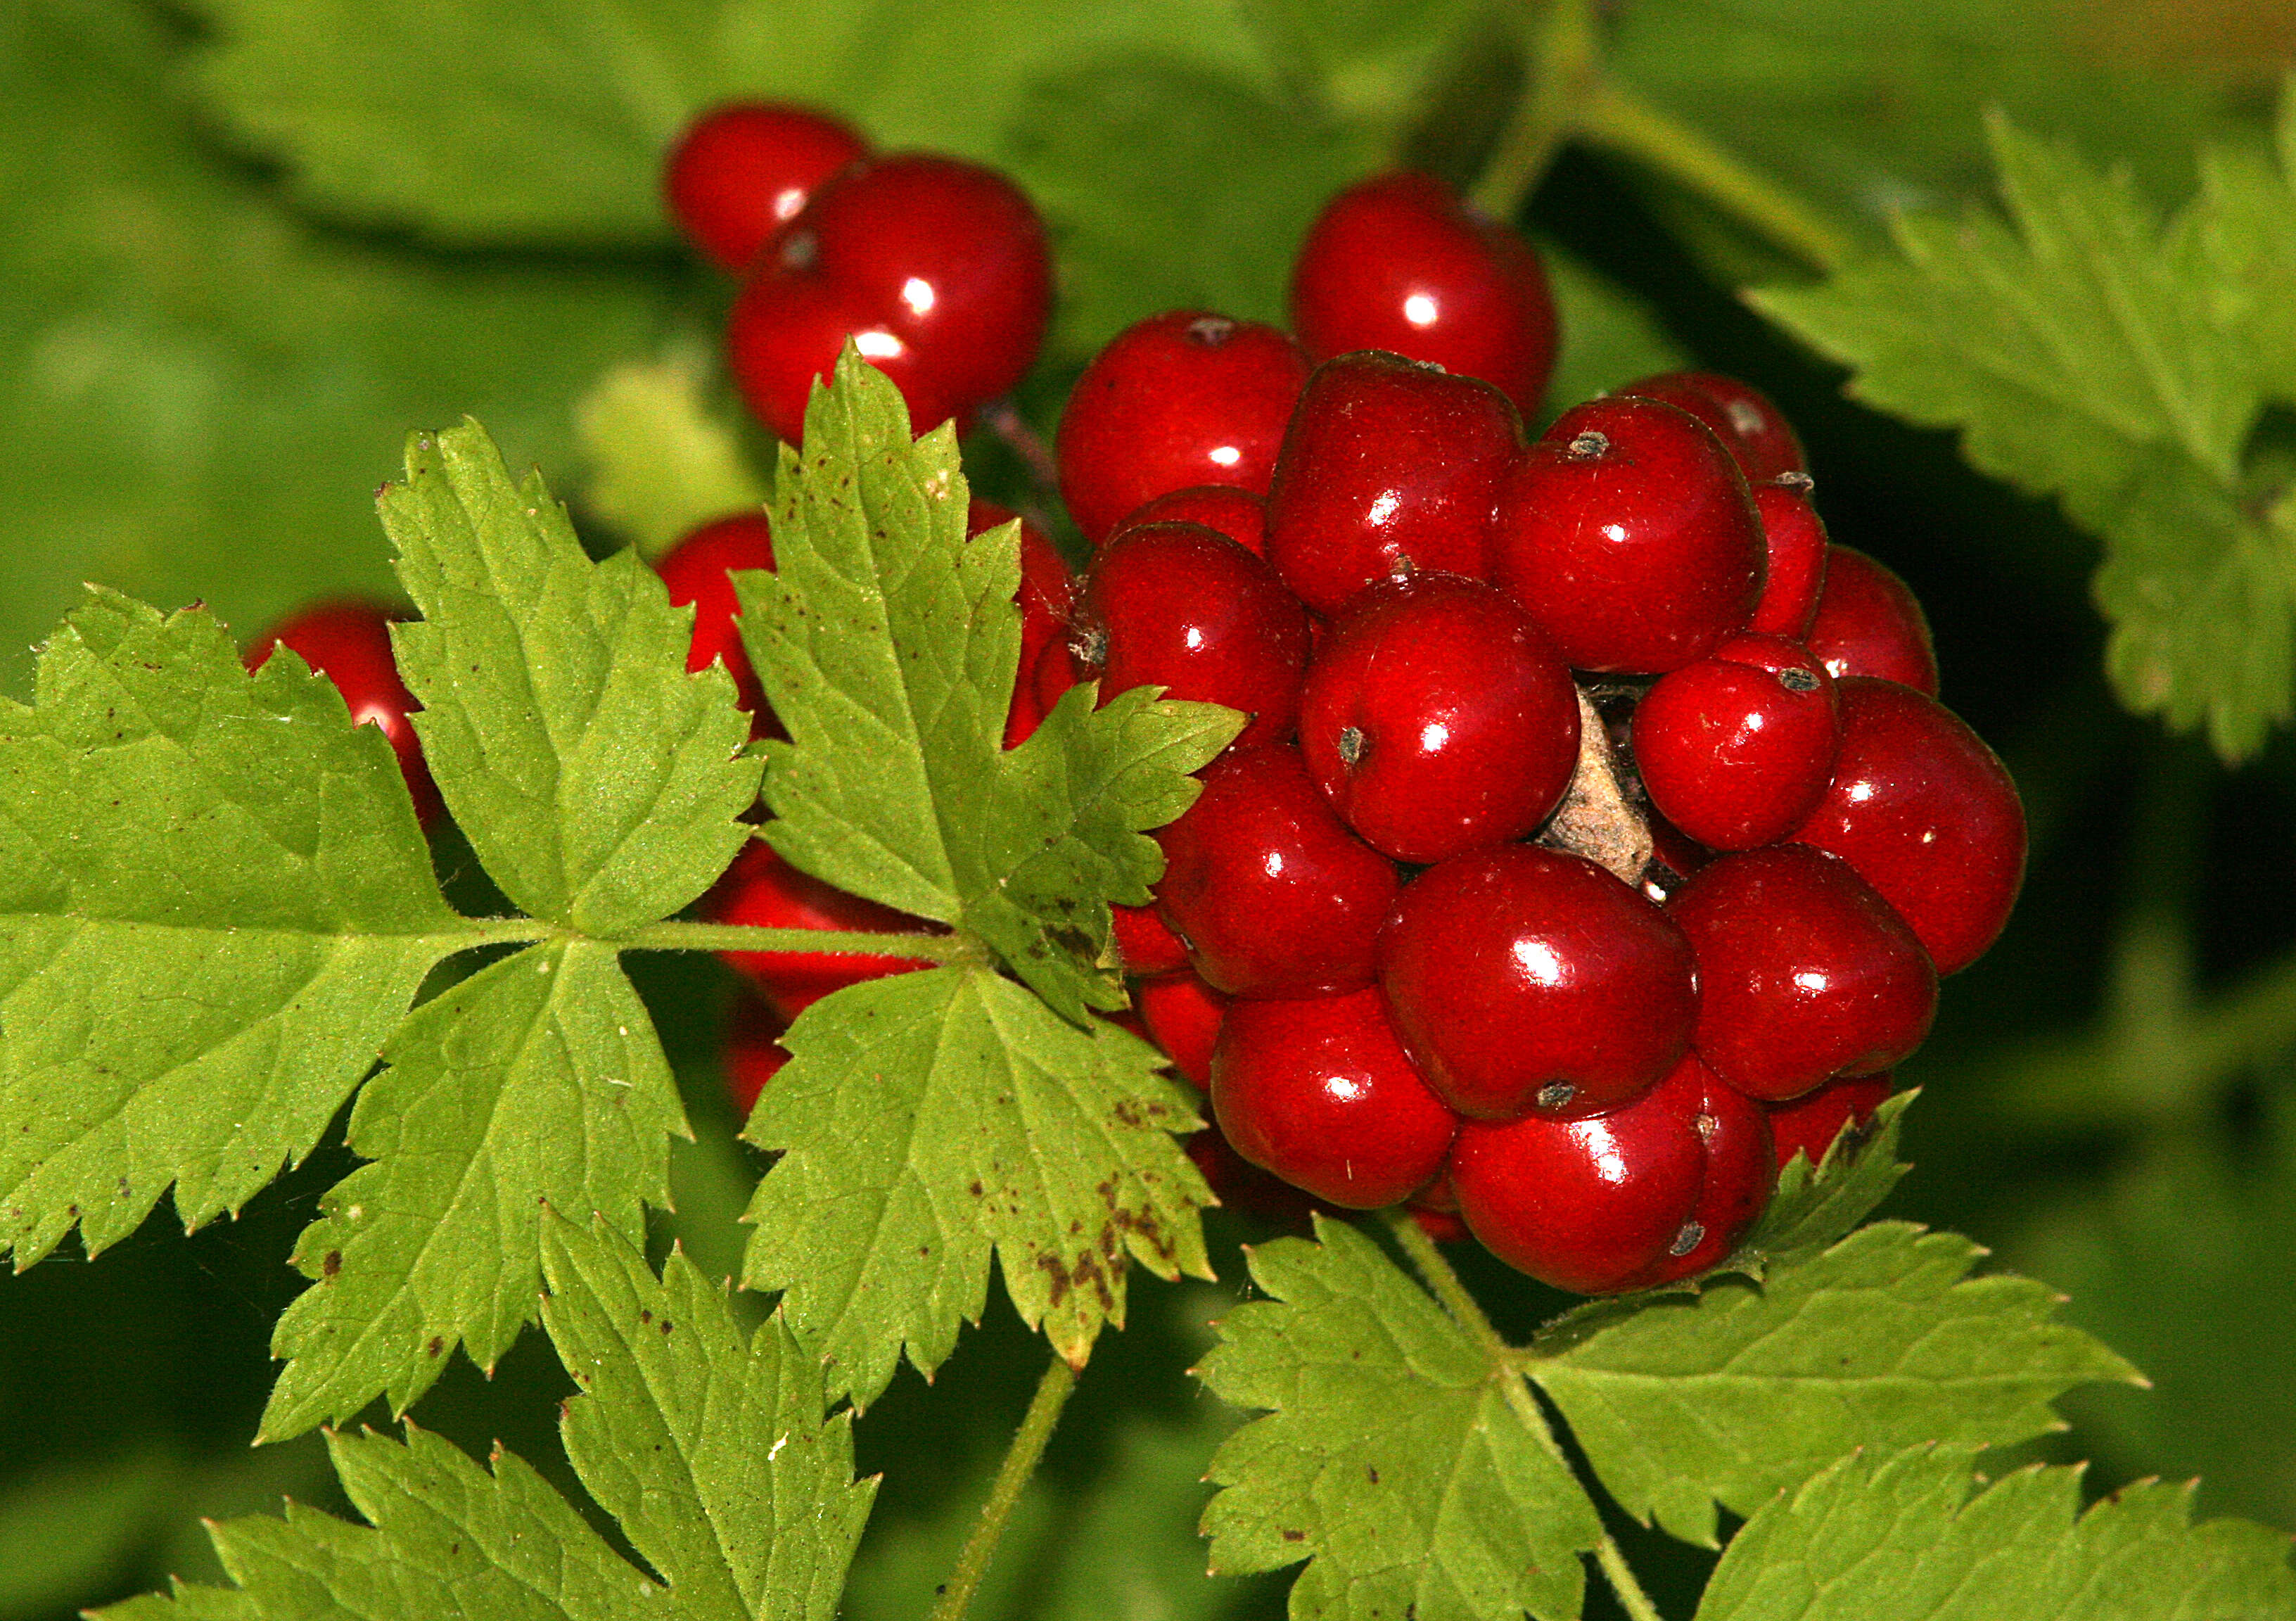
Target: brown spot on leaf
[(436, 1346), (1295, 1536), (331, 1264)]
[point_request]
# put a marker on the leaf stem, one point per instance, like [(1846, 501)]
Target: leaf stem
[(841, 942), (1561, 49), (1469, 1313), (1622, 122), (1021, 1460)]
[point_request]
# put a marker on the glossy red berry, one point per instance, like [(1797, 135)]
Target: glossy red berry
[(698, 571), (1808, 1125), (1145, 941), (1747, 421), (1320, 1093), (1927, 815), (743, 170), (1870, 623), (1183, 1016), (1795, 541), (1389, 467), (1238, 514), (1273, 895), (753, 1054), (1184, 607), (1181, 400), (1584, 1205), (1804, 973), (1740, 1170), (763, 891), (1046, 596), (785, 332), (1034, 697), (1438, 719), (1522, 979), (1401, 262), (1737, 749), (1628, 534), (347, 640)]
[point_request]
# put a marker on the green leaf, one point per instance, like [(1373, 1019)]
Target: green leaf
[(1812, 1205), (1749, 1388), (1914, 1537), (213, 905), (200, 390), (887, 641), (661, 463), (67, 1529), (599, 782), (538, 1082), (2086, 355), (546, 121), (927, 1118), (1375, 63), (709, 1444), (1396, 1457)]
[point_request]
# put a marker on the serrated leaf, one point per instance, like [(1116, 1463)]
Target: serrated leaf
[(887, 642), (599, 782), (546, 121), (1916, 1538), (2086, 356), (707, 1446), (660, 462), (535, 1082), (710, 1444), (200, 389), (1393, 1458), (213, 905), (1747, 1388), (927, 1118), (1812, 1205)]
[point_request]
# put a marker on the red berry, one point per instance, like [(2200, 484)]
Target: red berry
[(1436, 719), (1320, 1093), (1795, 540), (1627, 533), (1183, 1017), (1238, 514), (1032, 701), (1241, 1186), (1740, 1170), (1145, 943), (1184, 607), (1523, 979), (1388, 467), (1747, 422), (1809, 1125), (1181, 400), (1046, 596), (697, 571), (1273, 894), (1675, 856), (1736, 750), (786, 331), (753, 1054), (1585, 1205), (347, 640), (1927, 815), (1401, 262), (1441, 1225), (764, 891), (1870, 623), (1804, 973), (743, 170)]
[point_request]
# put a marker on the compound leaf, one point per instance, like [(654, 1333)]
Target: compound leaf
[(213, 905), (926, 1119), (1747, 1388), (708, 1445), (2086, 355), (1394, 1458), (887, 641), (598, 781), (538, 1082), (1917, 1537)]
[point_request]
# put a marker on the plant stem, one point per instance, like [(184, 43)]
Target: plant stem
[(1011, 1478), (841, 942), (1620, 121), (1028, 445), (1561, 46), (1469, 1314)]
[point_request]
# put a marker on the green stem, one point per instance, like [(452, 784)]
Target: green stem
[(1028, 1449), (842, 942), (1618, 120), (1468, 1312), (1561, 47)]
